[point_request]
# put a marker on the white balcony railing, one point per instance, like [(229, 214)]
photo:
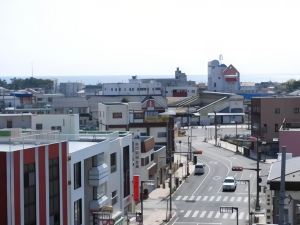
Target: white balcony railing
[(98, 175)]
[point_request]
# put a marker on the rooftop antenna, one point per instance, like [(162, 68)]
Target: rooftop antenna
[(220, 58), (32, 69)]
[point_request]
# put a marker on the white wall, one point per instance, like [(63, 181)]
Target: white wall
[(153, 88), (69, 123)]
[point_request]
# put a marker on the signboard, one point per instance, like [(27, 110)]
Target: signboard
[(136, 188), (225, 209)]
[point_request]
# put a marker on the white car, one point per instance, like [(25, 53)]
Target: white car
[(229, 184), (199, 168)]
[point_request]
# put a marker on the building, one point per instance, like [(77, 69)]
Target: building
[(34, 180), (134, 87), (222, 78), (289, 136), (52, 178), (65, 123), (292, 192), (71, 89), (267, 115)]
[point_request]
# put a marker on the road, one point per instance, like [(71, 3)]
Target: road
[(198, 200)]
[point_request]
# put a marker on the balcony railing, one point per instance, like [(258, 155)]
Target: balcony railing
[(98, 174)]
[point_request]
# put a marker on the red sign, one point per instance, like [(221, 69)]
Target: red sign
[(136, 188)]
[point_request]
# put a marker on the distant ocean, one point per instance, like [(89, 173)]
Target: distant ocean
[(88, 79)]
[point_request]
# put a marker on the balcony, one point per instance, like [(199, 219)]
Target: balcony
[(99, 174), (96, 205)]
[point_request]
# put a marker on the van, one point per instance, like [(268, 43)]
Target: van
[(199, 168)]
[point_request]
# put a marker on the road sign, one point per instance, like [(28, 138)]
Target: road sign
[(226, 209), (237, 168)]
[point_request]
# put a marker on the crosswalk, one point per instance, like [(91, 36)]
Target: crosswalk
[(206, 214), (213, 198)]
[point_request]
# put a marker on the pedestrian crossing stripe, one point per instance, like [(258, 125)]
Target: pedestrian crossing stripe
[(213, 214), (211, 198)]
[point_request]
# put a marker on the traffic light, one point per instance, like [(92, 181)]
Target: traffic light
[(199, 152), (237, 168)]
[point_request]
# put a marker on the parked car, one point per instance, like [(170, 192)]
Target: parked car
[(229, 184), (199, 169)]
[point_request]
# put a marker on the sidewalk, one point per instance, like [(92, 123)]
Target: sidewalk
[(156, 207)]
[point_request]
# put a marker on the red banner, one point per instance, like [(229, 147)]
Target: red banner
[(136, 188)]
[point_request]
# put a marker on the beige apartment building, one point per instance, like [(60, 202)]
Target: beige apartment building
[(267, 115)]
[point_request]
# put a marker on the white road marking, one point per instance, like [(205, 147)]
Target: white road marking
[(198, 198), (195, 213), (225, 198), (241, 215), (232, 199), (181, 211), (210, 214), (217, 215), (225, 215), (218, 198), (210, 188), (246, 199), (205, 198), (191, 198), (187, 213), (185, 198), (202, 214), (211, 198), (239, 199), (178, 198), (233, 215)]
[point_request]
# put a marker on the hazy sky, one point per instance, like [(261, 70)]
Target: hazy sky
[(144, 37)]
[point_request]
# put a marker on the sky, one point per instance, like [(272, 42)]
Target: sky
[(148, 37)]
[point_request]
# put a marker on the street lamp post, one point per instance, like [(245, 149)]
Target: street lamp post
[(257, 206), (216, 130)]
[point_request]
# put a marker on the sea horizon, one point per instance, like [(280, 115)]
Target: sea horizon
[(96, 79)]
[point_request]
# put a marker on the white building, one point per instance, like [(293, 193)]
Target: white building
[(248, 88), (222, 78), (65, 123), (71, 89), (100, 171), (134, 87)]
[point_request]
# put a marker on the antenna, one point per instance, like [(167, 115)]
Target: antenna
[(32, 69), (220, 58)]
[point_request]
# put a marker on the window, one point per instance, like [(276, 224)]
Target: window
[(114, 197), (56, 128), (54, 208), (161, 134), (99, 191), (50, 99), (77, 175), (276, 127), (29, 194), (142, 162), (113, 162), (111, 89), (152, 156), (78, 212), (296, 110), (215, 85), (277, 110), (39, 126), (98, 159), (9, 124), (138, 115), (117, 115), (145, 161)]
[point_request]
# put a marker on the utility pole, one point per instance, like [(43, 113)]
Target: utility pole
[(257, 206), (282, 187), (216, 130)]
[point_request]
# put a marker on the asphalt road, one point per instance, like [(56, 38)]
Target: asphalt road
[(198, 200)]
